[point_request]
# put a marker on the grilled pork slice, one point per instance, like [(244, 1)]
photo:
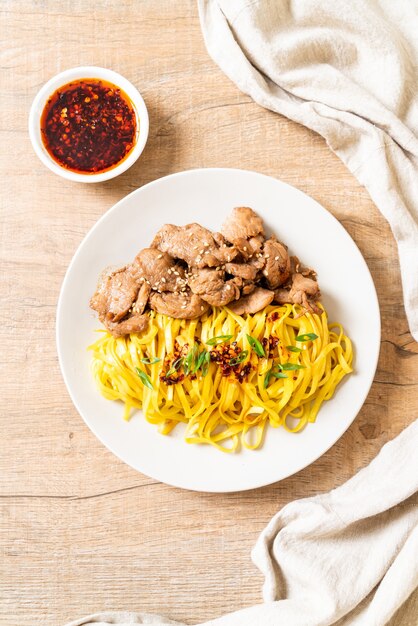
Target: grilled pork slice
[(115, 294), (211, 286), (133, 324), (244, 229), (160, 270), (142, 298), (276, 263), (242, 270), (193, 244), (181, 306), (303, 290), (252, 303)]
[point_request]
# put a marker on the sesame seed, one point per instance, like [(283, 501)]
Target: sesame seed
[(163, 280), (276, 258), (202, 308), (266, 273), (245, 248), (206, 244), (201, 251), (160, 256)]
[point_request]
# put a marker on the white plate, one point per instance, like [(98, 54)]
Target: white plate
[(206, 196)]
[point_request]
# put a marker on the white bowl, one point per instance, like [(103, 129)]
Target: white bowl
[(77, 73)]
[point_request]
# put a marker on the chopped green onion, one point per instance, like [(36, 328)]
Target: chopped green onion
[(293, 349), (239, 359), (190, 360), (214, 341), (175, 366), (150, 361), (256, 346), (306, 337), (144, 378), (200, 360), (206, 363), (291, 366), (271, 373)]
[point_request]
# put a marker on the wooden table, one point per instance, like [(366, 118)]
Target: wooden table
[(80, 531)]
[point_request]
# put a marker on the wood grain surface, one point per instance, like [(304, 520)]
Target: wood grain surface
[(79, 530)]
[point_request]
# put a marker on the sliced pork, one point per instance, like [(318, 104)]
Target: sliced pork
[(252, 303), (142, 298), (277, 263), (247, 287), (120, 300), (211, 286), (225, 251), (116, 292), (181, 306), (193, 244), (281, 296), (296, 267), (188, 268), (242, 270), (133, 324), (161, 271), (244, 229), (303, 290)]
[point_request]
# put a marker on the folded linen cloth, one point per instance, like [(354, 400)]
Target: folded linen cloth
[(348, 557), (347, 70)]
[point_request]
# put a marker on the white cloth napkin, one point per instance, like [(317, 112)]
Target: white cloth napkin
[(349, 71), (347, 557)]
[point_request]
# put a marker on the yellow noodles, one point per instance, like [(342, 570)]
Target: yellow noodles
[(216, 409)]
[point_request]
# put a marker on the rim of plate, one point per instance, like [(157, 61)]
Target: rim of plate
[(338, 431)]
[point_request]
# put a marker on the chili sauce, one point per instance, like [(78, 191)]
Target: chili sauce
[(89, 126)]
